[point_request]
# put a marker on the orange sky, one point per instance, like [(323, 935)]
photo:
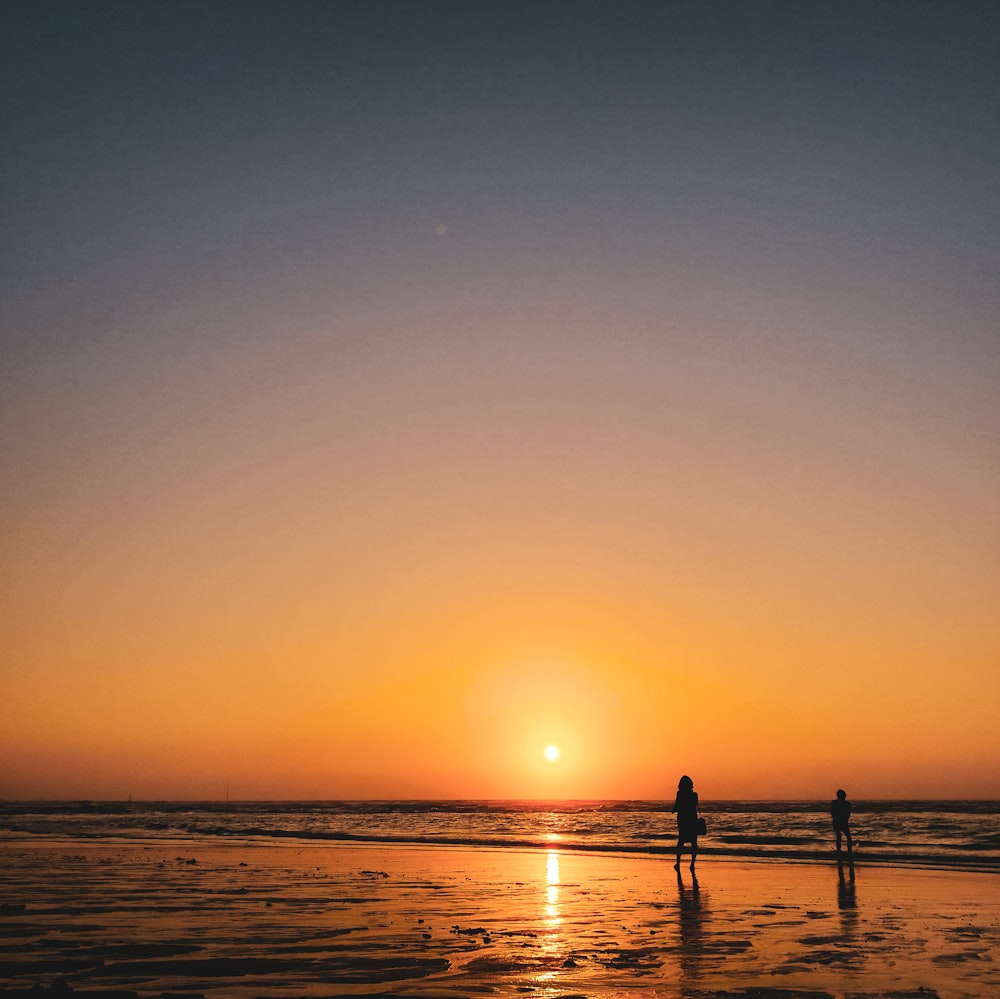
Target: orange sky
[(361, 441), (420, 608)]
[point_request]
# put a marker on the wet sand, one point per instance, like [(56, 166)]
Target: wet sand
[(249, 921)]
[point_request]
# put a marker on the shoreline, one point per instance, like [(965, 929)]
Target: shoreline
[(257, 919), (346, 840)]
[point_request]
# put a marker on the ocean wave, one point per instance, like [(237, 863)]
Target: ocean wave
[(733, 851), (929, 834)]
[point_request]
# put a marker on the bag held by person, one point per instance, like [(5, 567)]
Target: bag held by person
[(702, 826)]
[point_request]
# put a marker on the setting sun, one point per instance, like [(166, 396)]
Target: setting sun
[(456, 477)]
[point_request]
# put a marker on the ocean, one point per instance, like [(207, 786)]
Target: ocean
[(933, 834)]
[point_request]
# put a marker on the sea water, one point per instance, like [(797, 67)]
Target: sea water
[(940, 834)]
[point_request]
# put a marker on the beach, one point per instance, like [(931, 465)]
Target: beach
[(248, 920)]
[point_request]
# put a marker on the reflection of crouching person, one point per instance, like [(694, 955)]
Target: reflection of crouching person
[(840, 812)]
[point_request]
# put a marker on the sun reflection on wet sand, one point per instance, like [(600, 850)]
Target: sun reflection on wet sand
[(552, 911)]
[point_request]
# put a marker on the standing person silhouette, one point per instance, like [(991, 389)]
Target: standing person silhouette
[(840, 812), (686, 807)]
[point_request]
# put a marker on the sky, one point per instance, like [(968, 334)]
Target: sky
[(390, 391)]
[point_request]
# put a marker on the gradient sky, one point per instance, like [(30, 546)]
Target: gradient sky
[(390, 390)]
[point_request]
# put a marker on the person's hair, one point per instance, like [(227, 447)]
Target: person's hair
[(685, 783), (841, 793)]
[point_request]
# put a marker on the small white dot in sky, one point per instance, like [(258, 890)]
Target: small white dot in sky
[(440, 229)]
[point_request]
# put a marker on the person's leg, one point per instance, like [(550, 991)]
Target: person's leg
[(850, 842), (836, 830), (677, 866), (694, 851)]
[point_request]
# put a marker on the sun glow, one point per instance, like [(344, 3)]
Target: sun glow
[(552, 753)]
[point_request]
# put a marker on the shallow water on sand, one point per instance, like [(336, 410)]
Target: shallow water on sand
[(963, 834)]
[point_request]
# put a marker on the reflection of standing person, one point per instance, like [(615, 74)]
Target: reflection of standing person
[(693, 913), (686, 807), (840, 812), (847, 902)]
